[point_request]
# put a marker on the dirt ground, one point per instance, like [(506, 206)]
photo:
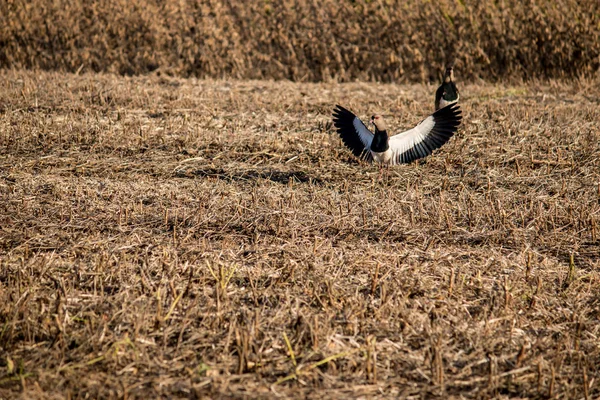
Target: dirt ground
[(171, 238)]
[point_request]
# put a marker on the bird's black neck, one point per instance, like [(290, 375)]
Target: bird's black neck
[(380, 141), (450, 91)]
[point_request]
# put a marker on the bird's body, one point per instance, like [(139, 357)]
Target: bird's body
[(380, 146), (380, 142), (418, 142), (447, 93)]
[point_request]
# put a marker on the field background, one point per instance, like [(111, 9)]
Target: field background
[(172, 228), (306, 40)]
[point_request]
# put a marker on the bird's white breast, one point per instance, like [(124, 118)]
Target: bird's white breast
[(444, 103), (383, 157)]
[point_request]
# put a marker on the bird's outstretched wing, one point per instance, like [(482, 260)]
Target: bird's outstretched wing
[(353, 132), (431, 134)]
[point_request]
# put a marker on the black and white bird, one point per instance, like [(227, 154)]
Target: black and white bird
[(430, 134), (447, 93)]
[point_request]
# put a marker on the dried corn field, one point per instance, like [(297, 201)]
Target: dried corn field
[(302, 40), (163, 237)]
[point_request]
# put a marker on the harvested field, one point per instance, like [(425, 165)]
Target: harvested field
[(172, 238)]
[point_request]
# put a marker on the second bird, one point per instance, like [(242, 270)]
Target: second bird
[(447, 93)]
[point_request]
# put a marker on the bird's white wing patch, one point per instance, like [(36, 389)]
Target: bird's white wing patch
[(364, 134), (412, 138), (417, 142)]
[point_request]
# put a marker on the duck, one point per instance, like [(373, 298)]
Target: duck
[(382, 148), (447, 93)]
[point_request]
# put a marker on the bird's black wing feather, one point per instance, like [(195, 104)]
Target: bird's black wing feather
[(353, 132)]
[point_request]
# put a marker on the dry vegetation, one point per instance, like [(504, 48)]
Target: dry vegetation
[(186, 238), (305, 40)]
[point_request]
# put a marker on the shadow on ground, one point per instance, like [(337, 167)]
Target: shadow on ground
[(282, 177)]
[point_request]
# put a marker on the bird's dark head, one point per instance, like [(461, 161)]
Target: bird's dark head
[(379, 123), (449, 74)]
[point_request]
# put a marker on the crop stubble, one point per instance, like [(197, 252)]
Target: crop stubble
[(176, 238)]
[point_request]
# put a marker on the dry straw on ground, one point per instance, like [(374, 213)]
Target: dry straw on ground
[(180, 238), (305, 40)]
